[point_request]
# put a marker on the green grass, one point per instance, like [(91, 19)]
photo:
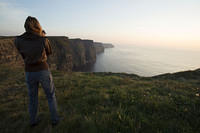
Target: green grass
[(103, 103)]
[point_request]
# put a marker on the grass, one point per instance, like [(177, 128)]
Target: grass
[(103, 103)]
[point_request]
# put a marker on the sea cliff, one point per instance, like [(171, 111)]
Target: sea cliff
[(68, 54), (99, 46)]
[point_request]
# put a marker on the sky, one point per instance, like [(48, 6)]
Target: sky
[(171, 23)]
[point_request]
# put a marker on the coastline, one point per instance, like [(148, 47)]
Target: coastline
[(145, 61)]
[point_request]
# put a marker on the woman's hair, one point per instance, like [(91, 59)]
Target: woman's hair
[(32, 25), (43, 33)]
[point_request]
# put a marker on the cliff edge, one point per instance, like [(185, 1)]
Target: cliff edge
[(68, 54), (105, 102)]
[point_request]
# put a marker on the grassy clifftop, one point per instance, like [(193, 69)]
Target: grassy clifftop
[(105, 103)]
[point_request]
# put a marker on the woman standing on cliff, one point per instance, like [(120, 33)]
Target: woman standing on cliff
[(34, 49)]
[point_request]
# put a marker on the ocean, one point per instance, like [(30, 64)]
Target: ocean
[(146, 60)]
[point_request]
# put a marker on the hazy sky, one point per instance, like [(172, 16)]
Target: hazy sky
[(150, 22)]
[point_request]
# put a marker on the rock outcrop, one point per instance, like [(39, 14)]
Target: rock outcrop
[(8, 52), (83, 55), (61, 58), (108, 45), (99, 47), (68, 54)]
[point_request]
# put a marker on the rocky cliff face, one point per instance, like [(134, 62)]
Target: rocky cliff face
[(8, 52), (61, 58), (68, 54), (108, 45), (83, 55), (99, 47)]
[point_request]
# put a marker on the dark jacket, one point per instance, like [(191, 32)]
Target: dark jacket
[(34, 50)]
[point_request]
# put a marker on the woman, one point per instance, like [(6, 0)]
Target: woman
[(34, 48)]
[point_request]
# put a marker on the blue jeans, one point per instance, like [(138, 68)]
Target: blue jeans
[(45, 78)]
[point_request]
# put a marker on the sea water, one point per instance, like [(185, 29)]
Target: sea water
[(146, 60)]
